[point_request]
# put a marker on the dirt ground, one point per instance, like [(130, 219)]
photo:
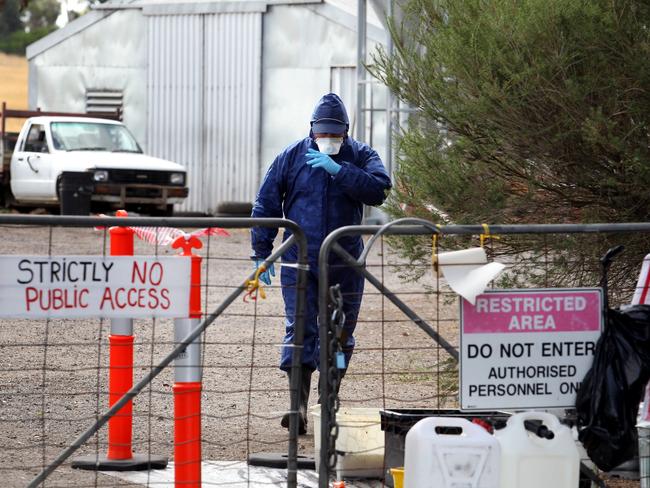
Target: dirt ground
[(53, 374)]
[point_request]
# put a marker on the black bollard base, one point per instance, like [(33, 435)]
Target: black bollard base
[(139, 462), (279, 460)]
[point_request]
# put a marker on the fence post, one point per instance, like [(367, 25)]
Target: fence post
[(187, 380), (120, 380)]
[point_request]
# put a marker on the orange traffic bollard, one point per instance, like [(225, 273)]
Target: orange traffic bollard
[(187, 379), (120, 427), (120, 380)]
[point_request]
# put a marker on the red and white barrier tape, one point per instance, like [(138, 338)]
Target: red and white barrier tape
[(163, 236)]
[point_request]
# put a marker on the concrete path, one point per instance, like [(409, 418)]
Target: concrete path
[(235, 474)]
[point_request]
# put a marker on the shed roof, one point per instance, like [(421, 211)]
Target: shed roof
[(343, 12)]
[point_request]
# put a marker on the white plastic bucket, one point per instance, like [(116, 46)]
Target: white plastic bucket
[(530, 461), (359, 445), (445, 452)]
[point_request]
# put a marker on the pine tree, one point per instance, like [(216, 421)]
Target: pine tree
[(530, 111)]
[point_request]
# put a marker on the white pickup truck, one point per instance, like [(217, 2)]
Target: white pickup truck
[(123, 177)]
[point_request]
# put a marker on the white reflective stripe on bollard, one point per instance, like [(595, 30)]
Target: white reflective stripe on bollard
[(187, 366), (644, 455), (122, 326)]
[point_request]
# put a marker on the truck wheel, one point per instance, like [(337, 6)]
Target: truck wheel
[(167, 211), (232, 208), (8, 199)]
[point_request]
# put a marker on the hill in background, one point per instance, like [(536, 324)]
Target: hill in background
[(13, 89)]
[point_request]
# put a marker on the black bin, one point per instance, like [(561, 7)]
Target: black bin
[(75, 190), (397, 422)]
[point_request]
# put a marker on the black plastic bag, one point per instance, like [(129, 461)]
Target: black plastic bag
[(608, 400)]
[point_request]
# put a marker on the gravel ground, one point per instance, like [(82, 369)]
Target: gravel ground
[(54, 373)]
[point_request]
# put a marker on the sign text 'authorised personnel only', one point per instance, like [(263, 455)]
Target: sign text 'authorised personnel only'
[(527, 348)]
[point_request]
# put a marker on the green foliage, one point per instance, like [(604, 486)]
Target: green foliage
[(17, 42), (9, 17), (531, 111), (42, 13), (19, 28)]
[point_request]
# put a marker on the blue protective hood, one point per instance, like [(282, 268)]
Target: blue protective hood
[(330, 106)]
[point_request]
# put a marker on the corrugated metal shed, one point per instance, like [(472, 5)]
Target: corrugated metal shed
[(218, 86)]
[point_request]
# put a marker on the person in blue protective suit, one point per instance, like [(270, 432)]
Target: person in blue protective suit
[(320, 182)]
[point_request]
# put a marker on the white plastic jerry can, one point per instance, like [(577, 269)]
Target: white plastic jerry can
[(535, 461), (445, 452)]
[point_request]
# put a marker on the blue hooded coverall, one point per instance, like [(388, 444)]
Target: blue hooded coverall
[(319, 203)]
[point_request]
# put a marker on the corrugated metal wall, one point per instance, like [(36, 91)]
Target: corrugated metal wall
[(204, 102), (175, 91), (233, 46)]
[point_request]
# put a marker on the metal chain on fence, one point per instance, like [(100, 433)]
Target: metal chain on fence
[(337, 320)]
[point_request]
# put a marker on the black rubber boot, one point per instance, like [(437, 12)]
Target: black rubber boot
[(305, 386), (338, 386)]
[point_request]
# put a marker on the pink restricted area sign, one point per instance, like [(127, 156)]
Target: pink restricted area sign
[(527, 348), (533, 312)]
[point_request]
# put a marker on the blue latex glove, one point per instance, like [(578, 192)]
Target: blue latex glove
[(266, 276), (317, 159)]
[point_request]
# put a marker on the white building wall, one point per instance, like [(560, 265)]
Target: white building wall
[(308, 52), (300, 46), (95, 58)]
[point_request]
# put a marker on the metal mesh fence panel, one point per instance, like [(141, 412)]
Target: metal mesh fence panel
[(54, 372), (405, 362)]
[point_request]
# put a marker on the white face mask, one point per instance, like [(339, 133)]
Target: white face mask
[(329, 145)]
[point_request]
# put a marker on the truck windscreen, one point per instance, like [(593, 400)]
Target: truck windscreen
[(92, 136)]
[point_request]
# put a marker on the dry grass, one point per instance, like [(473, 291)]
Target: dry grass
[(13, 85)]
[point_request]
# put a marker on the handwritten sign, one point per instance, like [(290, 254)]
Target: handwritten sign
[(527, 348), (94, 286)]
